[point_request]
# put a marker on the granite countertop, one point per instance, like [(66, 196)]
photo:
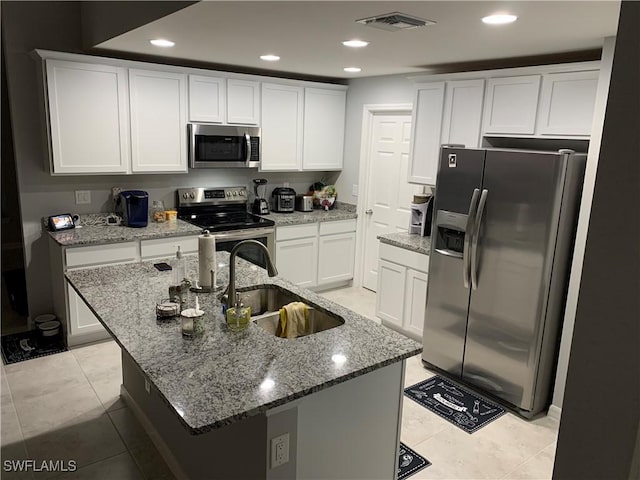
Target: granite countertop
[(101, 234), (408, 241), (219, 377), (342, 211)]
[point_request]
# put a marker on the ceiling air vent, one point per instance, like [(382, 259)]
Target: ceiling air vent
[(395, 21)]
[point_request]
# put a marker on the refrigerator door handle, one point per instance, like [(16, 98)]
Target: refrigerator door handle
[(476, 236), (466, 257)]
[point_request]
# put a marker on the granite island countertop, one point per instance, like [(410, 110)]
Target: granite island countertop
[(342, 211), (408, 241), (102, 234), (219, 377)]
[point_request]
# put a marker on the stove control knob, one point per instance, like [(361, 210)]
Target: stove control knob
[(228, 194), (192, 195), (242, 193), (235, 193), (185, 195)]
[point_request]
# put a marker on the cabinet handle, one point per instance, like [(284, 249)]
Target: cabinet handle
[(369, 212)]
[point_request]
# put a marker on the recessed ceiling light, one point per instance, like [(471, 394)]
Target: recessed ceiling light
[(355, 43), (352, 69), (499, 19), (270, 58), (162, 42)]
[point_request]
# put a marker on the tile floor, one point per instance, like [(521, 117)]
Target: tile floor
[(67, 406)]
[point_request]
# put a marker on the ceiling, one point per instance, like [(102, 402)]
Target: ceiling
[(307, 35)]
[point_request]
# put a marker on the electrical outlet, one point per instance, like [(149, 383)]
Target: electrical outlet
[(279, 450), (147, 385), (354, 190), (115, 191), (285, 184), (83, 197)]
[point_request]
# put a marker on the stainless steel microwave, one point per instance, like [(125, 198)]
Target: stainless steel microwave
[(212, 146)]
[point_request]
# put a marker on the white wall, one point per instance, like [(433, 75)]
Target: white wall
[(41, 195), (583, 220), (374, 90)]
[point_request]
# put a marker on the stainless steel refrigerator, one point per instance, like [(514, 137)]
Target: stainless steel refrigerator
[(501, 248)]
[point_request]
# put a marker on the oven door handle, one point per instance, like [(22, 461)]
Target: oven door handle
[(247, 139), (246, 234)]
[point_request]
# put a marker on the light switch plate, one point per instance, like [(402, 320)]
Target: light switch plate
[(279, 450), (83, 197), (355, 190)]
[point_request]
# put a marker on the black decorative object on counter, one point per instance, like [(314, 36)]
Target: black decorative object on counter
[(19, 347), (454, 403), (409, 462)]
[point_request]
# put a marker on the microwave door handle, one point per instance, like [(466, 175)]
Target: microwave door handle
[(247, 139), (476, 236), (468, 235)]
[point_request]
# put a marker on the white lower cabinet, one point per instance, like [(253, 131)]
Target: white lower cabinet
[(389, 301), (335, 257), (82, 321), (402, 289), (296, 260), (415, 301), (314, 254)]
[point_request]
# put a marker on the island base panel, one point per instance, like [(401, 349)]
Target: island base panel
[(350, 430), (222, 453)]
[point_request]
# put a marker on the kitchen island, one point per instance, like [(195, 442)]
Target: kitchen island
[(214, 402)]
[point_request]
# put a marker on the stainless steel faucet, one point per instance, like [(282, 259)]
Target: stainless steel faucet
[(232, 298)]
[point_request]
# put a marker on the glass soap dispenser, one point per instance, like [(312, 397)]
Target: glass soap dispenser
[(238, 316), (179, 268)]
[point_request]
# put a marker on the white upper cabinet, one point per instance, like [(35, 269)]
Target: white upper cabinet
[(282, 117), (243, 102), (425, 138), (566, 103), (207, 99), (89, 118), (324, 115), (158, 121), (512, 103), (462, 116)]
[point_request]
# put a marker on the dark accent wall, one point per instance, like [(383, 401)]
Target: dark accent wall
[(601, 410), (104, 20)]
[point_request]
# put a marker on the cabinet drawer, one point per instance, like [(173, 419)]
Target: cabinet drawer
[(296, 231), (166, 247), (99, 254), (401, 256), (338, 226)]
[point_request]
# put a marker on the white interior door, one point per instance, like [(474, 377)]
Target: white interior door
[(388, 194)]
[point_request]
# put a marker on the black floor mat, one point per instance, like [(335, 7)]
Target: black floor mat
[(454, 403), (409, 462), (19, 347)]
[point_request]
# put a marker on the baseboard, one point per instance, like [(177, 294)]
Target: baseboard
[(155, 437), (554, 412)]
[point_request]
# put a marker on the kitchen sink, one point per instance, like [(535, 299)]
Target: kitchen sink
[(265, 303)]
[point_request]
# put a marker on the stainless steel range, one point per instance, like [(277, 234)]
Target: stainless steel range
[(223, 211)]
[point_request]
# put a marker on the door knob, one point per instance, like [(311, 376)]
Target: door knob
[(369, 212)]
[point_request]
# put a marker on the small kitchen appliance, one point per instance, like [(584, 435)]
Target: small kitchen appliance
[(304, 203), (283, 199), (421, 214), (223, 211), (134, 207), (213, 146), (260, 204)]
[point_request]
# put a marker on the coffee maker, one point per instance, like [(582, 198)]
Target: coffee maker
[(260, 204), (421, 215), (134, 208)]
